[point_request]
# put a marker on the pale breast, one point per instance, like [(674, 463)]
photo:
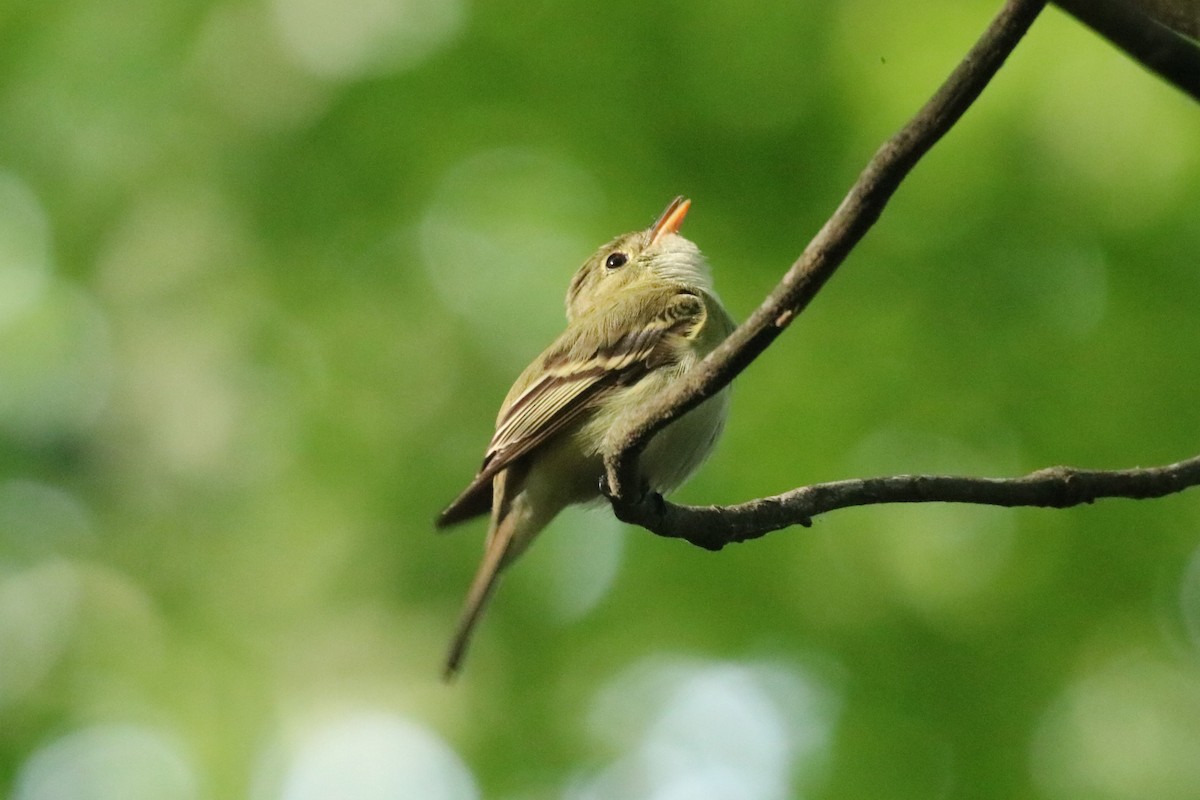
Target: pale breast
[(679, 450)]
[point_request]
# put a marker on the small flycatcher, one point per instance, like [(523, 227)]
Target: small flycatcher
[(640, 313)]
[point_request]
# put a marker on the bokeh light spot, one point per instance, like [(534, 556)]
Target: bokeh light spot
[(39, 520), (943, 560), (577, 560), (709, 730), (362, 37), (178, 269), (250, 75), (374, 756), (501, 240), (39, 606), (1189, 599), (1129, 730), (1099, 141), (108, 762), (24, 248), (55, 364)]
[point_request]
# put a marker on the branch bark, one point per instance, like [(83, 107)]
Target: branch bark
[(712, 527), (829, 248)]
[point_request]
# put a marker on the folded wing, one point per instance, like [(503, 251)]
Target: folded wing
[(569, 379)]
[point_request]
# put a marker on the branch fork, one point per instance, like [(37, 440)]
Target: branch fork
[(712, 527)]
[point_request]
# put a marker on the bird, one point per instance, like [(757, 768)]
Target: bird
[(641, 312)]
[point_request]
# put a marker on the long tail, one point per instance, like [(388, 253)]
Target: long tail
[(499, 542)]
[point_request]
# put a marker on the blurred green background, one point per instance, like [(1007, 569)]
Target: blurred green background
[(267, 268)]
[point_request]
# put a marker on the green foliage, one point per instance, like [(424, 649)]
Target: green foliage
[(266, 271)]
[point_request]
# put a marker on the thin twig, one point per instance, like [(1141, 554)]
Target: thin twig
[(712, 527), (857, 212)]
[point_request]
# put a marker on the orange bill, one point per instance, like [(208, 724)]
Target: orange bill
[(671, 219)]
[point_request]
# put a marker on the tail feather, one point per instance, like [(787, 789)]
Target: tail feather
[(494, 558), (474, 501)]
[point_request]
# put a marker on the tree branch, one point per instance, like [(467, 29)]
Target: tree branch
[(713, 527), (828, 249), (1149, 33)]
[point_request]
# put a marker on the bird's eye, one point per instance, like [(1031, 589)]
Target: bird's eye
[(615, 260)]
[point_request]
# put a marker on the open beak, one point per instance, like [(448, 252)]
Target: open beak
[(671, 219)]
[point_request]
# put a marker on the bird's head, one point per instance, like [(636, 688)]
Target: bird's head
[(656, 256)]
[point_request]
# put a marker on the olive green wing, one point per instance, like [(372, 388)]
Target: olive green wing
[(597, 354)]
